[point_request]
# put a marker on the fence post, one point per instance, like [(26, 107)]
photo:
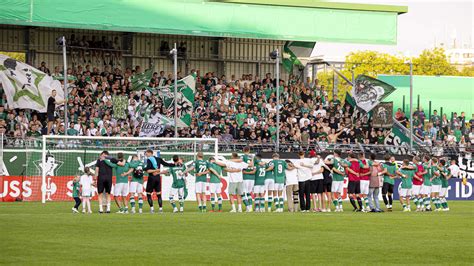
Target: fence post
[(403, 104), (441, 111), (429, 110), (418, 102)]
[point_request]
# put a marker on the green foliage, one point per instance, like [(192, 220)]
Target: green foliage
[(467, 71), (433, 63), (17, 56), (373, 63), (33, 233)]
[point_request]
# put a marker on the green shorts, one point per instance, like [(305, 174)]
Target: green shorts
[(236, 188)]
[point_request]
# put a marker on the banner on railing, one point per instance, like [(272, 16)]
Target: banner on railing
[(382, 115)]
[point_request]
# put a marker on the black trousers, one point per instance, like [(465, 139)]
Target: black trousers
[(78, 202), (305, 195)]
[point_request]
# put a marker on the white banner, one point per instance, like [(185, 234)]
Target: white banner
[(26, 86), (154, 126)]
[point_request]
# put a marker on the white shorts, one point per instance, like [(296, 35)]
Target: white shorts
[(364, 187), (248, 186), (405, 192), (279, 187), (176, 192), (269, 184), (435, 188), (87, 192), (136, 187), (425, 190), (121, 189), (259, 189), (215, 188), (201, 187), (443, 192), (337, 186), (416, 190)]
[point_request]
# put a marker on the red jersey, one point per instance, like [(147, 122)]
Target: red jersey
[(364, 171), (356, 168), (419, 169)]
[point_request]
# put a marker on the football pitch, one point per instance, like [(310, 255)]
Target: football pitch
[(33, 233)]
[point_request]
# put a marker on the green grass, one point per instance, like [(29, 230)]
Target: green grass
[(32, 233)]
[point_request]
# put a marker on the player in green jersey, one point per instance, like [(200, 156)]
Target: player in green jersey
[(435, 184), (259, 188), (121, 183), (426, 187), (215, 188), (270, 186), (278, 167), (406, 174), (136, 184), (179, 183), (200, 168), (445, 175), (338, 175), (388, 172), (248, 179)]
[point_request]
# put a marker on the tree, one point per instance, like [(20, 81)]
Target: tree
[(373, 63), (17, 56), (467, 71), (433, 63)]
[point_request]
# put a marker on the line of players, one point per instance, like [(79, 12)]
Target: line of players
[(260, 186)]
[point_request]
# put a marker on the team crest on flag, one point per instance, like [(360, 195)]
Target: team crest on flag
[(368, 92), (382, 115), (25, 86)]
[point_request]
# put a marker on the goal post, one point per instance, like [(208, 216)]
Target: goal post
[(64, 157)]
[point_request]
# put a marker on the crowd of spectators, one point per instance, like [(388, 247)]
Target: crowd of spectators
[(232, 109)]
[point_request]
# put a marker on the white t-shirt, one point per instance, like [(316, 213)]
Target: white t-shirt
[(86, 183), (237, 176), (454, 170), (317, 167), (291, 177), (304, 173)]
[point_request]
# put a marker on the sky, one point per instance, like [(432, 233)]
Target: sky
[(426, 22)]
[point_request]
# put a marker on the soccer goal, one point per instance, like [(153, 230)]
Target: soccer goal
[(65, 157)]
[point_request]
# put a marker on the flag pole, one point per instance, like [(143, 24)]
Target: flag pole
[(411, 105), (65, 84), (174, 52), (278, 101)]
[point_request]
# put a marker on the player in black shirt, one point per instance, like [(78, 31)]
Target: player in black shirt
[(103, 173), (153, 184), (50, 109)]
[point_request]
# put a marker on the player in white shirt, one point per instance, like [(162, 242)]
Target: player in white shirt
[(291, 186), (317, 184), (234, 169), (304, 167), (86, 183)]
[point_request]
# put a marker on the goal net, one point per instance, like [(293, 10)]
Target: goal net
[(64, 157)]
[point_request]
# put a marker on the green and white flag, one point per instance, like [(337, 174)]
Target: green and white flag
[(368, 92), (296, 54), (25, 86), (141, 80), (120, 106), (185, 99)]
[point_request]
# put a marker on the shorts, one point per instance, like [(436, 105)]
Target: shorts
[(353, 187), (404, 192), (51, 117), (136, 187), (87, 193), (215, 188), (260, 189), (316, 186), (153, 184), (364, 187), (416, 190), (269, 184), (248, 186), (201, 187), (327, 187), (443, 192), (279, 187), (425, 190), (435, 188), (387, 188), (177, 192), (337, 187), (104, 184), (236, 188), (121, 189)]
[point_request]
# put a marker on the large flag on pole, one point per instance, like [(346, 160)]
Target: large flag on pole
[(26, 86), (141, 80), (184, 98), (368, 92), (296, 53)]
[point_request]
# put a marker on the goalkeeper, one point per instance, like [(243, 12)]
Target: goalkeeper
[(153, 165)]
